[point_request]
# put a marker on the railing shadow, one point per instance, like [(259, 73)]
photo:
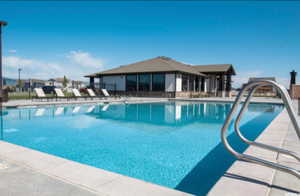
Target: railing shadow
[(213, 166), (255, 181)]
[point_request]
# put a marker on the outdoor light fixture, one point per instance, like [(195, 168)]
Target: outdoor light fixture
[(19, 81)]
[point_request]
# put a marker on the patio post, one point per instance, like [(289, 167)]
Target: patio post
[(228, 84), (221, 85), (92, 82)]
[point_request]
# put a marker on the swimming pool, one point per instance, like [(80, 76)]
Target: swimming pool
[(174, 144)]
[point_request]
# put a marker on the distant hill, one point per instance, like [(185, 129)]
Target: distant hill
[(9, 82)]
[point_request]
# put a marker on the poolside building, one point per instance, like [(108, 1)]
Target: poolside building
[(266, 91), (165, 77)]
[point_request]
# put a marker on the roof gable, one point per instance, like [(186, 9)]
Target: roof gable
[(158, 64), (215, 68)]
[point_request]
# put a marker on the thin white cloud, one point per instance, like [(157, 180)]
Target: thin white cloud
[(12, 51), (31, 68), (16, 62), (85, 59), (84, 62)]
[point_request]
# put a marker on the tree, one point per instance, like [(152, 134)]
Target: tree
[(65, 81)]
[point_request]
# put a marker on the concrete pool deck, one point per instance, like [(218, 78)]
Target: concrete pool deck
[(28, 171), (21, 103)]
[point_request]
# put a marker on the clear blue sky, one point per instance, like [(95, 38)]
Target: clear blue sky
[(47, 39)]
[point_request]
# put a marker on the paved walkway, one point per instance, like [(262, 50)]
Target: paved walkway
[(284, 184), (17, 180)]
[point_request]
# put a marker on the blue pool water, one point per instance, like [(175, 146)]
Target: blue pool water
[(174, 144)]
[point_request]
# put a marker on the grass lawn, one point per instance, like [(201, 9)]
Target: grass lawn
[(25, 95)]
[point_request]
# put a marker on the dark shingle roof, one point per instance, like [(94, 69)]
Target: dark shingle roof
[(261, 78), (166, 64), (158, 64), (215, 68)]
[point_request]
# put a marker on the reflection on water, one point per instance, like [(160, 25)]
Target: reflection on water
[(174, 114), (168, 114)]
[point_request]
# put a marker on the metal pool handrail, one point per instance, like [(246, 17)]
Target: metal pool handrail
[(268, 147), (252, 86)]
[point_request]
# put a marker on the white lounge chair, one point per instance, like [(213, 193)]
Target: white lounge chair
[(105, 93), (77, 94), (91, 93), (40, 94), (59, 93)]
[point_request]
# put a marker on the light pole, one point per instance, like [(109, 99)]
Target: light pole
[(19, 70), (2, 23)]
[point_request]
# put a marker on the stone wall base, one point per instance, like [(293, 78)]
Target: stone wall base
[(295, 91), (191, 94)]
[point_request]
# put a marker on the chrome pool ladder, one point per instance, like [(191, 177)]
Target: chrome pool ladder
[(251, 87)]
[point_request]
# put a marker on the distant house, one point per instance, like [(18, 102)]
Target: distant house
[(77, 84), (32, 83), (163, 76), (9, 82), (264, 89), (59, 82)]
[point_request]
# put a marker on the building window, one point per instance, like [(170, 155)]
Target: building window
[(144, 82), (191, 83), (197, 86), (185, 80), (158, 82), (131, 82)]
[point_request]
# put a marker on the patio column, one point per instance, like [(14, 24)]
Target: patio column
[(100, 84), (188, 83), (202, 84), (137, 82), (199, 84), (194, 84), (221, 86), (151, 82), (92, 82), (228, 85)]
